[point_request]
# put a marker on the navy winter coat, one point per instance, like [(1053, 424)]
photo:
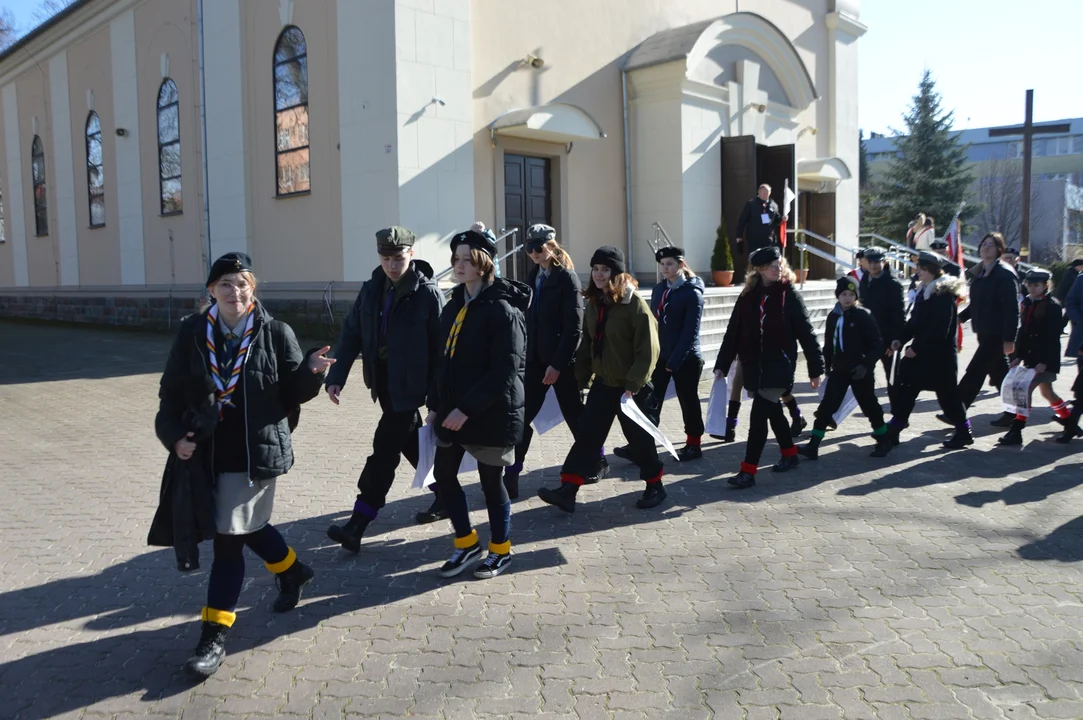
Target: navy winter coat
[(678, 321)]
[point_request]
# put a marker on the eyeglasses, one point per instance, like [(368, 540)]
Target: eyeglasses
[(535, 249)]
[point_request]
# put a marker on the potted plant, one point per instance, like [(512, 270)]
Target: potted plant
[(722, 258)]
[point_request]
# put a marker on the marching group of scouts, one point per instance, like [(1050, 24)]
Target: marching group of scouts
[(480, 366)]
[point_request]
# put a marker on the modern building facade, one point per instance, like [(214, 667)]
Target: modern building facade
[(140, 139), (996, 164)]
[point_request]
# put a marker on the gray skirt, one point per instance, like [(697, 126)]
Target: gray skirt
[(240, 508)]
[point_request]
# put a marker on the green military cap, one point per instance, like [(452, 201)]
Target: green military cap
[(393, 240)]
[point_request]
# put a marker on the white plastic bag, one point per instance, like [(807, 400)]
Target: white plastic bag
[(549, 416), (426, 457), (849, 403), (1015, 390), (717, 405), (629, 408)]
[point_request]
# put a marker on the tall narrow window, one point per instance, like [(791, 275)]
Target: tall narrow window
[(169, 157), (95, 178), (37, 174), (291, 112)]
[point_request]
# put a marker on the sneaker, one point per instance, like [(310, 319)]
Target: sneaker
[(652, 496), (492, 566), (622, 452), (689, 452), (435, 512), (459, 560)]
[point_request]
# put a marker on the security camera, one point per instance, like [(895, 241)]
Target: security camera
[(534, 61)]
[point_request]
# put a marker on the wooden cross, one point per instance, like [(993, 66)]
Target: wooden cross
[(1028, 130)]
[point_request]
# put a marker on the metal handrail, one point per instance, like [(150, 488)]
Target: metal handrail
[(506, 233), (972, 258), (657, 244), (820, 253), (821, 238), (899, 247)]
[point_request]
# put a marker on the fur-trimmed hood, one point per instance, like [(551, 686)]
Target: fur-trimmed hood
[(945, 285)]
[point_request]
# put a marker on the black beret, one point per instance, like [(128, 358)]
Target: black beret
[(1011, 251), (670, 251), (228, 264), (874, 254), (844, 283), (930, 259), (1037, 275), (859, 254), (1077, 262), (764, 256), (938, 244), (611, 257), (483, 241)]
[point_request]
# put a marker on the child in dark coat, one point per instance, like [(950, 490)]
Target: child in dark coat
[(851, 349), (1037, 347)]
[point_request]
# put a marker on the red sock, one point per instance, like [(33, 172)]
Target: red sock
[(1061, 410), (571, 479), (693, 441), (749, 468), (1020, 418), (790, 451), (657, 478)]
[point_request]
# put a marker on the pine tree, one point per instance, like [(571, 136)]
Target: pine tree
[(930, 175)]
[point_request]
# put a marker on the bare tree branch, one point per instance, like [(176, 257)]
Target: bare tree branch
[(8, 32)]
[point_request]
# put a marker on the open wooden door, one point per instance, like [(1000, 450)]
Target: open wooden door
[(775, 166), (738, 187)]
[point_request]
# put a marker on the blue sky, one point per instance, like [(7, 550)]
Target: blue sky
[(984, 54)]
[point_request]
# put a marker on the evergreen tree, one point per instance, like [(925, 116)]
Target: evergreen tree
[(930, 175), (862, 161)]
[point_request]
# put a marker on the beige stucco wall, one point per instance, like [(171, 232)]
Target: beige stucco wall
[(582, 67), (297, 237), (33, 91), (90, 68), (169, 26), (7, 260)]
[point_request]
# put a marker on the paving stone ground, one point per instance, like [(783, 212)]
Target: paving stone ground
[(931, 584)]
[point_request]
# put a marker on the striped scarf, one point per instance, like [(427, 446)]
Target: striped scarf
[(224, 387), (456, 328)]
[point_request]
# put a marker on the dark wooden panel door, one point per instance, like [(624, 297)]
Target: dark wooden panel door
[(738, 187), (527, 201), (820, 219)]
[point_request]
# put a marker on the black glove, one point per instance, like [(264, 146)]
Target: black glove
[(859, 372)]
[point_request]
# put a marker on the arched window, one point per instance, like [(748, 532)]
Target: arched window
[(291, 112), (37, 174), (95, 178), (169, 157)]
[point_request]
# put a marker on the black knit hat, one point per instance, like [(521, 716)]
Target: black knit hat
[(669, 252), (764, 256), (844, 283), (931, 260), (228, 264), (483, 241), (611, 257)]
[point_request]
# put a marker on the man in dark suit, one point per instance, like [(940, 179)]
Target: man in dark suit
[(758, 225)]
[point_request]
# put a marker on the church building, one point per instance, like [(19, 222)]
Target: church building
[(140, 139)]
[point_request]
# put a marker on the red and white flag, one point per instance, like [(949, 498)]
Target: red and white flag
[(787, 200)]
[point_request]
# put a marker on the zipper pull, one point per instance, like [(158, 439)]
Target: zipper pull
[(250, 483)]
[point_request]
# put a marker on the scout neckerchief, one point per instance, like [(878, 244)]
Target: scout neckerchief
[(227, 383), (599, 329)]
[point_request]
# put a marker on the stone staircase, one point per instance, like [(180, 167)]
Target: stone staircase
[(819, 296)]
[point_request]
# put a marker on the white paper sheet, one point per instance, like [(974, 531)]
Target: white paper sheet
[(426, 456), (671, 390), (1015, 390), (849, 403), (549, 416), (629, 408), (894, 367), (717, 405)]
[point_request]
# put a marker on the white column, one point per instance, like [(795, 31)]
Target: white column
[(16, 207), (843, 33), (133, 265), (227, 193), (435, 116), (64, 170)]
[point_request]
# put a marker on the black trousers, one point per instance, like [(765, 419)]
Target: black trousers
[(396, 436), (989, 361), (603, 405), (864, 393), (567, 391), (947, 394), (686, 379), (885, 362), (764, 413), (446, 472)]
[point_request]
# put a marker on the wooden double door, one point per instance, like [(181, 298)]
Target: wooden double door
[(745, 166), (527, 201)]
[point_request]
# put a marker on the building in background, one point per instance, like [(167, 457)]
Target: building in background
[(996, 163), (125, 169)]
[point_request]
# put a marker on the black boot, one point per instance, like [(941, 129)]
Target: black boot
[(742, 480), (1014, 436), (1005, 420), (812, 449), (799, 423), (563, 497), (349, 535), (623, 452), (884, 444), (653, 496), (290, 582), (943, 418), (603, 472), (511, 484), (689, 452), (785, 463), (1071, 425), (961, 439), (435, 512), (209, 653)]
